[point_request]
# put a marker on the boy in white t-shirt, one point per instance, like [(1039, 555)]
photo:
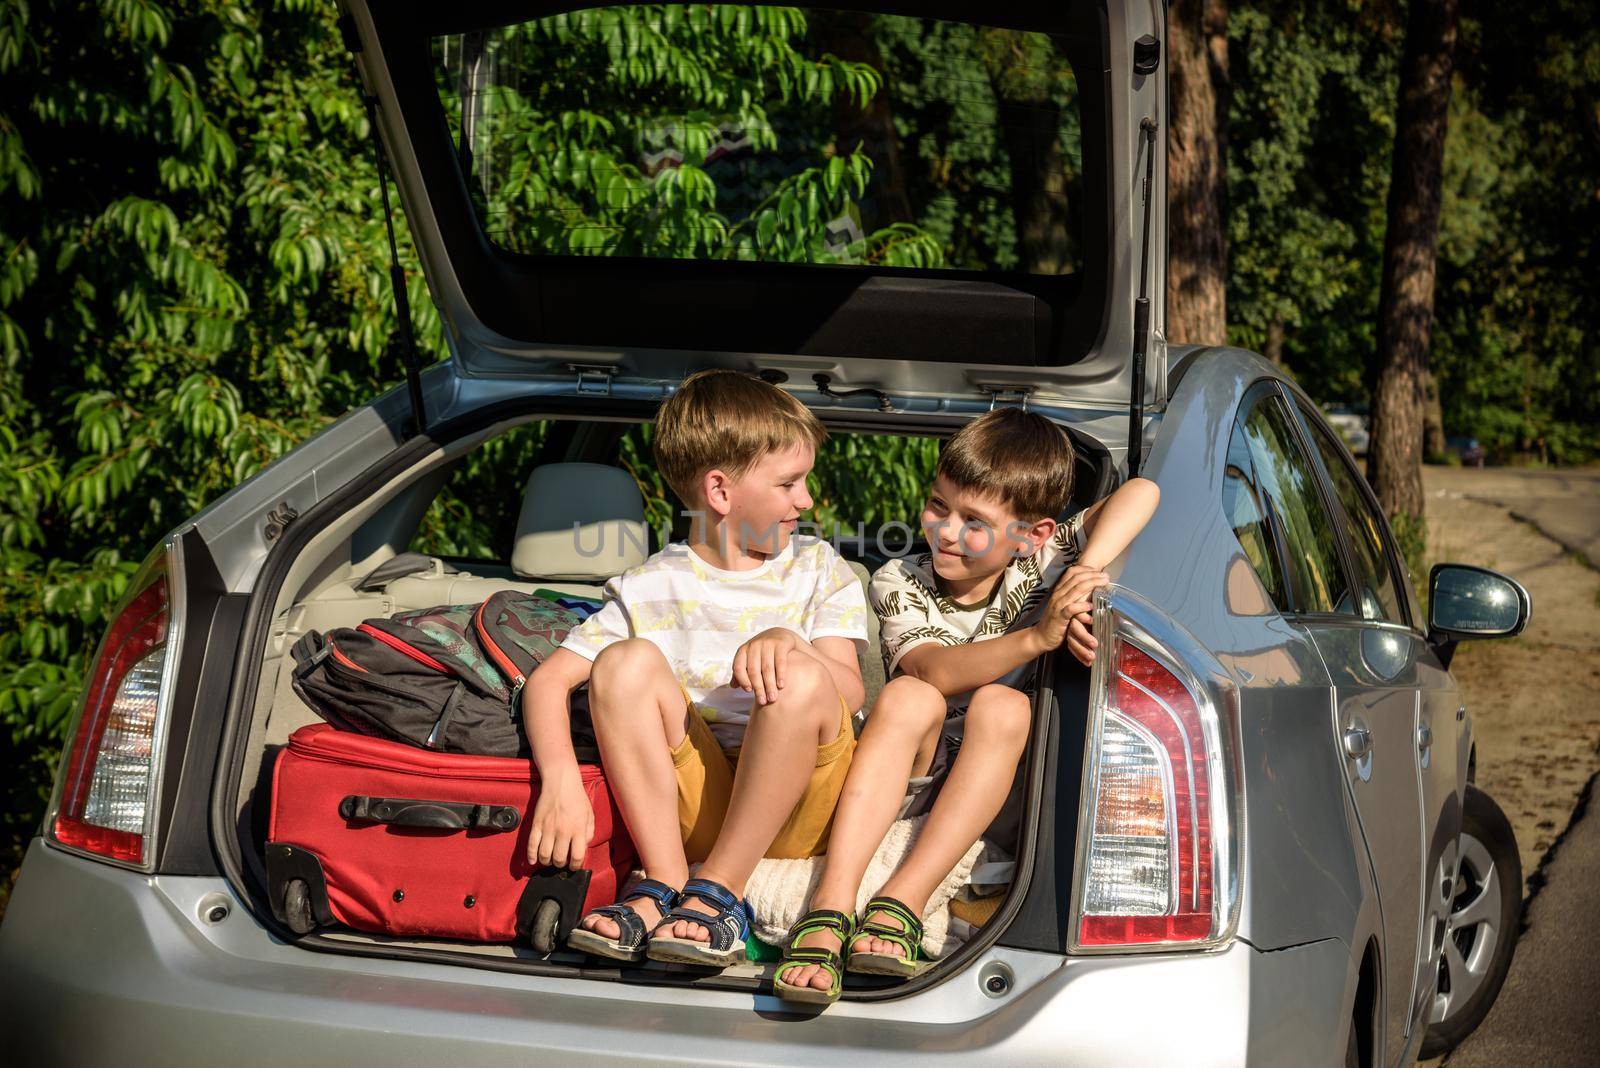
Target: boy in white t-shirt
[(963, 626), (722, 679)]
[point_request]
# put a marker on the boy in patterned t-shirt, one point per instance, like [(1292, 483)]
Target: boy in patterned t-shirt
[(963, 626), (722, 680)]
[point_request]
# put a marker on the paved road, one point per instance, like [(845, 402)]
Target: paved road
[(1548, 1013), (1564, 504)]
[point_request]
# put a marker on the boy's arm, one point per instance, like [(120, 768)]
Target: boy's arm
[(953, 669), (563, 819), (1110, 525)]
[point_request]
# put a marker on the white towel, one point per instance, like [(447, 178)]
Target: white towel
[(780, 890)]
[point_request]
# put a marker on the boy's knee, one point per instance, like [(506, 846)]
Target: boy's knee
[(631, 659), (909, 701), (808, 692), (1001, 710), (805, 677)]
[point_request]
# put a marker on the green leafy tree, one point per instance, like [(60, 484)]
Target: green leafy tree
[(606, 132)]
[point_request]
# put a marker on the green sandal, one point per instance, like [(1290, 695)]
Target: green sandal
[(829, 960), (908, 936)]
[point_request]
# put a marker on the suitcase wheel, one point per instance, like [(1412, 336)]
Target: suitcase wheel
[(542, 932), (297, 907)]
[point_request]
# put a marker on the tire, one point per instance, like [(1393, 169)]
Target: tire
[(546, 919), (1485, 919), (297, 907)]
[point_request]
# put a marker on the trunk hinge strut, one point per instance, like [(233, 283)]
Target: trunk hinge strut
[(397, 281), (1141, 309)]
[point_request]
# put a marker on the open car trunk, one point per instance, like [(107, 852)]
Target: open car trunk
[(314, 581), (633, 190)]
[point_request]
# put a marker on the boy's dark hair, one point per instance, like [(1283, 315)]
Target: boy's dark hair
[(1020, 457)]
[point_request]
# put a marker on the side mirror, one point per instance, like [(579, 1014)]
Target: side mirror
[(1474, 602)]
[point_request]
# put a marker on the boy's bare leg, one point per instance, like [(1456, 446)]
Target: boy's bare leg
[(897, 744), (631, 678), (996, 734), (775, 764)]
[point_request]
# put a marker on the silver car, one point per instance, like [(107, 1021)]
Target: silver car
[(1249, 833)]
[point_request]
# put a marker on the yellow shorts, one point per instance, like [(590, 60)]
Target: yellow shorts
[(705, 786)]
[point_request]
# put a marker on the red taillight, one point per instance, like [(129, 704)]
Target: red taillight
[(105, 799), (1160, 864)]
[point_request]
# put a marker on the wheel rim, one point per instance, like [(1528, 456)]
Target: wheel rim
[(1472, 931)]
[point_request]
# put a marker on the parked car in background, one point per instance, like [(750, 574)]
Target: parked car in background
[(1353, 423), (1468, 450), (1250, 833)]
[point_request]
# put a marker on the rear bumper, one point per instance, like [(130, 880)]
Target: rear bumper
[(104, 966)]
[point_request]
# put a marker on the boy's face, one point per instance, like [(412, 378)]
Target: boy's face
[(763, 507), (973, 535)]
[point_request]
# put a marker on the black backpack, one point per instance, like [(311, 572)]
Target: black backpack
[(447, 678)]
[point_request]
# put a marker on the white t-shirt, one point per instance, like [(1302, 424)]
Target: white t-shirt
[(698, 615), (913, 611)]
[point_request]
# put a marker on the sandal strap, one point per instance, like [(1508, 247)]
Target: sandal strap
[(908, 937), (825, 959), (630, 933), (663, 895), (838, 923), (730, 922), (912, 923), (711, 893), (631, 925)]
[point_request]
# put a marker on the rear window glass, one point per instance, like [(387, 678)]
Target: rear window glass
[(796, 135)]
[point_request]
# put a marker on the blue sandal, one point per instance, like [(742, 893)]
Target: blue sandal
[(729, 927), (629, 943)]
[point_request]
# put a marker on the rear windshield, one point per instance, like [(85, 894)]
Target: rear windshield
[(718, 132)]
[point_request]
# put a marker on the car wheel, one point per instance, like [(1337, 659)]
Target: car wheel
[(1481, 933), (546, 920), (297, 907)]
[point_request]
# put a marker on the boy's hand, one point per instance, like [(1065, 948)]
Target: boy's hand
[(759, 664), (1067, 617), (563, 821)]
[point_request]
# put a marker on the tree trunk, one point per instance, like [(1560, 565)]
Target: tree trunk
[(1028, 97), (1432, 419), (1197, 248), (1276, 331), (1405, 307), (847, 34)]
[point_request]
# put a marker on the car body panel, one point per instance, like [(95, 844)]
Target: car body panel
[(148, 980), (1301, 853)]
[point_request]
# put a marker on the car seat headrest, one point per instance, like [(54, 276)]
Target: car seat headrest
[(580, 523)]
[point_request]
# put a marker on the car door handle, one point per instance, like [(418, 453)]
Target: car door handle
[(1424, 737), (1357, 742)]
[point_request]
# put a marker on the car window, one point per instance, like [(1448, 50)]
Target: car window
[(1381, 598), (1289, 487), (688, 131), (1246, 511)]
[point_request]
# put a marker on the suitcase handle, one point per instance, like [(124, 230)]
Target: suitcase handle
[(443, 815)]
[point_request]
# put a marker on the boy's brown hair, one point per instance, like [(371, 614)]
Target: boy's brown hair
[(1020, 457), (726, 420)]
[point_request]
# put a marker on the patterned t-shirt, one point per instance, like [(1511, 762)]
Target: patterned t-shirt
[(698, 615), (912, 611)]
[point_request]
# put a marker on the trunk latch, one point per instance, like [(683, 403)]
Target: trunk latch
[(999, 395), (594, 380)]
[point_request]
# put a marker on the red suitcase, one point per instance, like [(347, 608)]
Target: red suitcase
[(392, 839)]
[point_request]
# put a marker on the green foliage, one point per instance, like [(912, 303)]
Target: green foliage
[(192, 282), (1517, 301), (580, 98)]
